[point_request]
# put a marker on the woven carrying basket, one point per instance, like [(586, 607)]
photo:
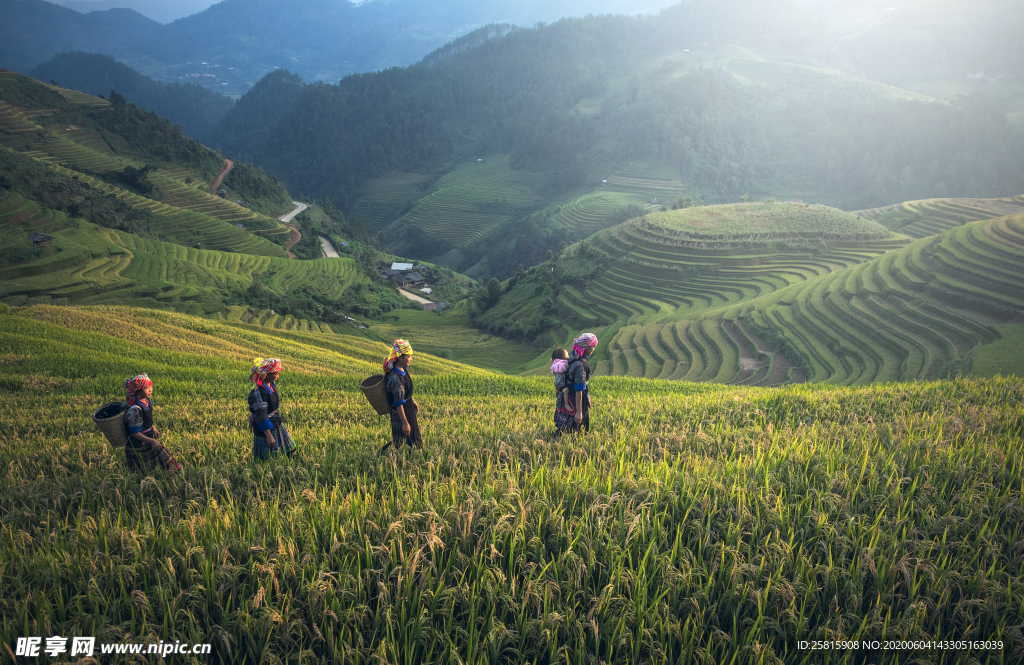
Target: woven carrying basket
[(373, 388), (109, 419)]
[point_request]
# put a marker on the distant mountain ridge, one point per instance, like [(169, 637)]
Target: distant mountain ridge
[(474, 157), (199, 111), (231, 45)]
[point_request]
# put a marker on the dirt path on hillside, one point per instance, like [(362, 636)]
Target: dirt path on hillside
[(219, 180)]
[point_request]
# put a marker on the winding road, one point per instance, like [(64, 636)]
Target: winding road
[(296, 234)]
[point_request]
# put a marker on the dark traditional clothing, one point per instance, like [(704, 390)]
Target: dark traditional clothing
[(577, 380), (265, 416), (144, 455), (563, 414), (399, 390)]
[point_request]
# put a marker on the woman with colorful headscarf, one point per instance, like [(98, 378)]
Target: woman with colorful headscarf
[(143, 451), (398, 385), (577, 379), (269, 435)]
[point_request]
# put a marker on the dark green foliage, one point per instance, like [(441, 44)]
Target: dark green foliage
[(58, 191), (729, 127), (196, 109), (314, 222), (132, 178), (146, 133), (257, 189)]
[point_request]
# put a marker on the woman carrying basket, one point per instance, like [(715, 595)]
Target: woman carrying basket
[(399, 388), (270, 436), (144, 452), (577, 380)]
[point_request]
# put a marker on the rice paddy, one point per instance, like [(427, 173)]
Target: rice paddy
[(473, 199), (920, 312), (698, 523), (86, 264), (920, 219)]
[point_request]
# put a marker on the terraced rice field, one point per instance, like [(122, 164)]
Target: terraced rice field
[(15, 120), (920, 219), (917, 312), (452, 336), (655, 190), (92, 265), (472, 200), (597, 210), (184, 226), (68, 153), (647, 269), (385, 199), (269, 319), (175, 192)]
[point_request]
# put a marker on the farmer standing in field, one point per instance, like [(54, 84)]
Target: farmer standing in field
[(144, 452), (577, 379), (269, 434), (398, 385)]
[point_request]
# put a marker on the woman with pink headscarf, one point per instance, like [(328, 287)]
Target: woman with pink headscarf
[(144, 452), (577, 380), (269, 435)]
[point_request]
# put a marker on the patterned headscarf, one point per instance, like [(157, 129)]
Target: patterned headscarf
[(399, 348), (134, 385), (262, 367), (583, 343)]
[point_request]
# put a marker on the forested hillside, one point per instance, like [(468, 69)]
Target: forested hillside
[(583, 101), (198, 110)]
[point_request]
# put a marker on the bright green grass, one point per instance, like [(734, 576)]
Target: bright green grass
[(697, 523), (450, 335)]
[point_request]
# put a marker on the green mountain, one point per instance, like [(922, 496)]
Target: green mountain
[(104, 203), (503, 135), (232, 44)]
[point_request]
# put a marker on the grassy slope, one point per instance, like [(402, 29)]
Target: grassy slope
[(667, 265), (90, 265), (697, 523), (751, 294), (915, 313), (451, 335), (477, 208), (66, 130)]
